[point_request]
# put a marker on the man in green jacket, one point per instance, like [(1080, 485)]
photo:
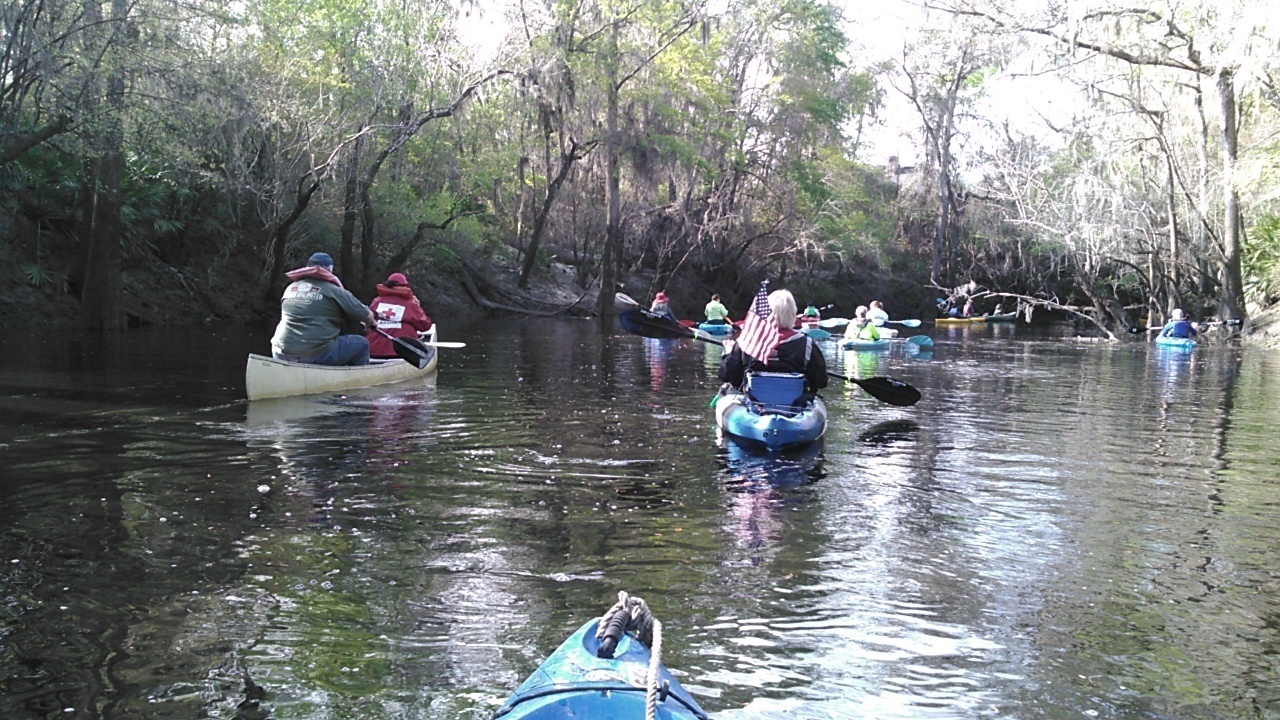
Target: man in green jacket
[(313, 312)]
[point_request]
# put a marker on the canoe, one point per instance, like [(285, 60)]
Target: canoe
[(266, 377), (1176, 343), (865, 345), (716, 328), (573, 682), (953, 321), (776, 425), (1002, 317)]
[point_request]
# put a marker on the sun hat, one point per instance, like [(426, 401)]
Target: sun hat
[(397, 279), (660, 297), (320, 260)]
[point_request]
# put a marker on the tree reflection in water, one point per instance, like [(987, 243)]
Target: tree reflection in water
[(760, 485)]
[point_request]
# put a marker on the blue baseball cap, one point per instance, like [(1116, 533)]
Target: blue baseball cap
[(320, 259)]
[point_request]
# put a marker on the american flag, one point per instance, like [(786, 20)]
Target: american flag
[(759, 333)]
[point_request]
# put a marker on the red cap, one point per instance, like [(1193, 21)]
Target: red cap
[(397, 279)]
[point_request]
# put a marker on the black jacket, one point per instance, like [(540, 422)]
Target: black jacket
[(789, 356)]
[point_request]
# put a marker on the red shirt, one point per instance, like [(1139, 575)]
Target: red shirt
[(399, 314)]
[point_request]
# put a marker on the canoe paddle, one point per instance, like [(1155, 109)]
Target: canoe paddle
[(639, 321), (406, 350)]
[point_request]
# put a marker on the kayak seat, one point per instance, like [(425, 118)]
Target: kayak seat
[(776, 393)]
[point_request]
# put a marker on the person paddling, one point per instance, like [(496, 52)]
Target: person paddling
[(313, 311), (794, 352), (877, 314), (1178, 326), (717, 314), (399, 314), (861, 328), (662, 306)]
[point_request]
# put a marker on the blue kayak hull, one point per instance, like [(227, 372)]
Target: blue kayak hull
[(573, 683), (737, 416), (1175, 342), (716, 328), (881, 344)]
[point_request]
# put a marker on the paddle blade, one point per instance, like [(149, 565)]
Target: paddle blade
[(412, 352), (623, 301), (889, 390), (909, 323), (921, 340), (442, 343)]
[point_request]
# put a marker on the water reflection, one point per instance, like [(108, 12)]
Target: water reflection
[(657, 353), (760, 487), (862, 364), (1054, 531)]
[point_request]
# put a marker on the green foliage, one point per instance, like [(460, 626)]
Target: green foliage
[(1261, 261)]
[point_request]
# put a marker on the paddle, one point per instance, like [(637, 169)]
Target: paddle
[(639, 321), (904, 323), (1233, 322), (921, 340), (415, 356)]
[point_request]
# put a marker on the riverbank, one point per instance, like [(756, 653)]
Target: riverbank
[(155, 293)]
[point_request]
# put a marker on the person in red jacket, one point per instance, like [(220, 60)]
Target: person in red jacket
[(399, 314)]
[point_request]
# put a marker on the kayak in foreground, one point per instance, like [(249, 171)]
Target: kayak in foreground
[(770, 415), (604, 674)]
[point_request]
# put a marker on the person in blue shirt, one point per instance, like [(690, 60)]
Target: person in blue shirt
[(1178, 326)]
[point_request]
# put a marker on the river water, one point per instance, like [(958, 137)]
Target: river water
[(1057, 530)]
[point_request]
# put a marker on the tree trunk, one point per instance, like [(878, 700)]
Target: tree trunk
[(540, 221), (1232, 305), (944, 209), (101, 303), (1174, 279), (280, 237), (1202, 194), (350, 212), (613, 230)]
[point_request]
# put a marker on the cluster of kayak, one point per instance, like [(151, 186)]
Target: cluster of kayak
[(773, 409)]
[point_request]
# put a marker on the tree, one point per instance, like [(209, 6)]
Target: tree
[(1188, 39)]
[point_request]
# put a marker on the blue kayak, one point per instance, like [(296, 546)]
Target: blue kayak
[(574, 683), (1179, 343), (769, 416), (856, 344), (716, 328)]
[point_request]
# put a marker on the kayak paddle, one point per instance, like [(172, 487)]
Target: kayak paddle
[(904, 323)]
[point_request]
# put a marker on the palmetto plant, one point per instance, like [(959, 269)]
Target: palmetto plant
[(1262, 262)]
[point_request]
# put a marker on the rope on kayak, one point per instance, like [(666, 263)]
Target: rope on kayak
[(632, 614)]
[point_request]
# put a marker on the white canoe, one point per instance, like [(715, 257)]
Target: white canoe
[(266, 377)]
